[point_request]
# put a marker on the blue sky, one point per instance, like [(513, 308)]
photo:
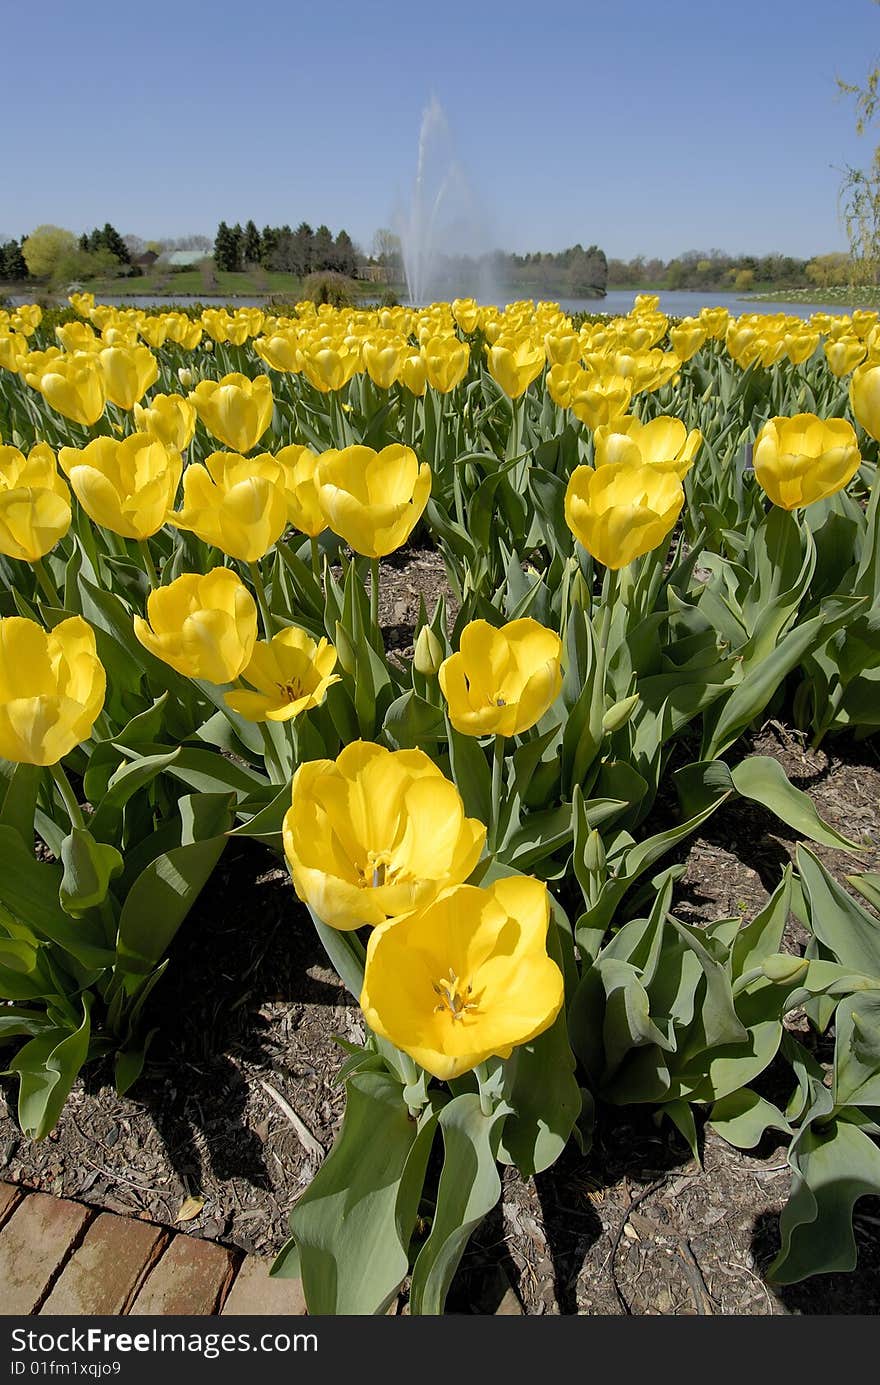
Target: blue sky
[(644, 127)]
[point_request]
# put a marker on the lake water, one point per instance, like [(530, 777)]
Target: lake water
[(676, 302)]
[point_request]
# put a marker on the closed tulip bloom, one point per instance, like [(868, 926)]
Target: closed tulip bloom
[(465, 978), (376, 833), (237, 503), (663, 442), (688, 337), (298, 474), (414, 373), (169, 418), (515, 363), (235, 409), (844, 355), (715, 321), (73, 386), (291, 673), (446, 362), (327, 368), (501, 682), (154, 330), (803, 459), (13, 351), (371, 499), (34, 503), (598, 399), (78, 336), (128, 373), (204, 627), (466, 314), (128, 485), (562, 348), (622, 510), (383, 359), (560, 380), (800, 345), (864, 398), (52, 687)]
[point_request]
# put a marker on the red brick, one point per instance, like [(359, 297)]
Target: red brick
[(10, 1196), (34, 1244), (254, 1294), (105, 1272), (189, 1280)]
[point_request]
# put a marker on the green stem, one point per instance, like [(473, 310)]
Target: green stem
[(50, 591), (262, 601), (270, 756), (374, 593), (609, 597), (497, 776), (74, 812), (316, 559), (149, 565), (482, 1076)]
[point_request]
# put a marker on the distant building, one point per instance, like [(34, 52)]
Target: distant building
[(145, 261), (182, 259), (374, 273)]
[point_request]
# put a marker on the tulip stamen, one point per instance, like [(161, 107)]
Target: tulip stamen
[(377, 872), (290, 691), (452, 999)]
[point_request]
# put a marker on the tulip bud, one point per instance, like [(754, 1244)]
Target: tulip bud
[(428, 653), (619, 714), (186, 377), (594, 853), (784, 969)]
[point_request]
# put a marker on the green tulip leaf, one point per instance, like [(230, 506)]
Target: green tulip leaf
[(89, 866)]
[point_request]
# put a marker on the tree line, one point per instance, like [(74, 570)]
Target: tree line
[(302, 251), (712, 269)]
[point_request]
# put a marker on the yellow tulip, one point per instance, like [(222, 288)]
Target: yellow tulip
[(464, 978), (128, 486), (154, 330), (78, 336), (73, 386), (371, 499), (280, 351), (844, 355), (622, 510), (560, 380), (237, 503), (515, 362), (298, 474), (376, 833), (34, 503), (803, 459), (715, 321), (235, 409), (169, 418), (446, 362), (501, 682), (562, 348), (52, 687), (800, 345), (327, 368), (128, 373), (864, 398), (13, 351), (688, 337), (466, 313), (82, 303), (290, 672), (599, 398), (414, 373), (663, 442), (383, 359), (204, 627)]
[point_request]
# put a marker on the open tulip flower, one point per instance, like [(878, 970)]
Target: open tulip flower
[(803, 459), (376, 833), (464, 978), (72, 385), (34, 503), (235, 409), (514, 363), (126, 485), (204, 627), (291, 673), (52, 687), (663, 442), (623, 509), (371, 499), (168, 417), (299, 477), (597, 397), (237, 503), (501, 682)]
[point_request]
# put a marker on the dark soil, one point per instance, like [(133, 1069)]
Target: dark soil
[(246, 1022)]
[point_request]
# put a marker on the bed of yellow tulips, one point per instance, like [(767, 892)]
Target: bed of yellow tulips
[(656, 534)]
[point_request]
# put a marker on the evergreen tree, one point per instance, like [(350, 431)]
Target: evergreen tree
[(237, 238), (268, 246), (84, 242), (302, 250), (225, 248), (322, 249), (12, 262), (346, 255), (111, 240), (250, 245)]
